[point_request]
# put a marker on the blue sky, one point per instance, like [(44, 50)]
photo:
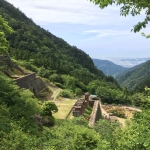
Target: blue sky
[(100, 33)]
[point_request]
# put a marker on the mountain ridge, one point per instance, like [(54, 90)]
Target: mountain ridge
[(108, 67), (136, 78), (34, 44)]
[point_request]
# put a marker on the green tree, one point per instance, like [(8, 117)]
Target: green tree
[(135, 136), (66, 93), (4, 28), (93, 85), (133, 7), (69, 81), (48, 108), (78, 91), (104, 94)]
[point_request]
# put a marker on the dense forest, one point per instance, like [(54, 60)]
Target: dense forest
[(27, 123)]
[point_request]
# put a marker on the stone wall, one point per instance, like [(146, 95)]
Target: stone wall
[(26, 81), (79, 107), (96, 113), (82, 103), (32, 83)]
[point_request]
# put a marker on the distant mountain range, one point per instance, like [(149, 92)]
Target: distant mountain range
[(126, 62), (109, 68), (135, 78)]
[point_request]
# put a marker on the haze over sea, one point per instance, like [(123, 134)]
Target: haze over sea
[(126, 61)]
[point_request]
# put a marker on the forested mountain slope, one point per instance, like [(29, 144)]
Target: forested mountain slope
[(108, 67), (31, 43), (136, 79)]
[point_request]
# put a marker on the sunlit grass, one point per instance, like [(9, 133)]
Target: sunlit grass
[(63, 108)]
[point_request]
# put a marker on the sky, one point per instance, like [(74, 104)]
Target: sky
[(101, 33)]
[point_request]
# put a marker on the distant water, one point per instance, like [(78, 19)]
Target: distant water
[(126, 61)]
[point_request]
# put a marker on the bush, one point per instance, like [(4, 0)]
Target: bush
[(66, 94), (55, 78), (48, 121), (59, 85), (44, 72), (78, 91), (80, 121), (48, 108), (28, 66), (117, 113)]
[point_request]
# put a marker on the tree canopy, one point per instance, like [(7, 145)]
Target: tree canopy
[(4, 28), (133, 7)]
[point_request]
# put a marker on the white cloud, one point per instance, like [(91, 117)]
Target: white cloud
[(71, 11), (68, 11), (108, 33)]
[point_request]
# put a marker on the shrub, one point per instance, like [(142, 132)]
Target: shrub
[(66, 94), (78, 91), (48, 108), (80, 121), (59, 85), (28, 66), (117, 113), (48, 121)]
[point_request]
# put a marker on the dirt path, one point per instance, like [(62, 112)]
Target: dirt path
[(104, 113), (131, 108), (55, 91)]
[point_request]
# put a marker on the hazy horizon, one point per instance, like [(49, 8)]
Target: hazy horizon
[(127, 62)]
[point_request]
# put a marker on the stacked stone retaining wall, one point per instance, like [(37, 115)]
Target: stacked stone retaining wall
[(32, 83), (26, 81), (96, 113)]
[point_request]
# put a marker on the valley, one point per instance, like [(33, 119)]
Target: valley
[(43, 78)]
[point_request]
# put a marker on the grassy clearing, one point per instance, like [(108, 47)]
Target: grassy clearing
[(63, 108)]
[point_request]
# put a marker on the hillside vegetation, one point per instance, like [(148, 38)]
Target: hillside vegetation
[(31, 43), (136, 79), (51, 57)]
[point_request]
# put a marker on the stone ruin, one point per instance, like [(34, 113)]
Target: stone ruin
[(26, 80), (110, 117), (81, 104)]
